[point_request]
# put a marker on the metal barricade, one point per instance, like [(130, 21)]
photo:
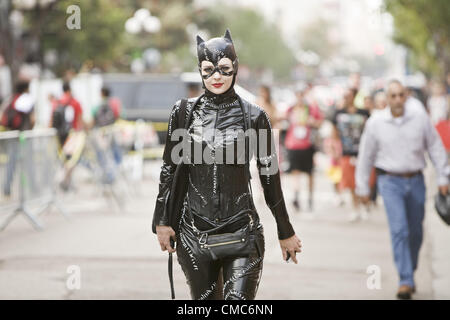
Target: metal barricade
[(28, 165), (10, 189), (103, 157)]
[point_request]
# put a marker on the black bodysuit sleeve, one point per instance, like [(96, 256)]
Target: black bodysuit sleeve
[(160, 216), (269, 175)]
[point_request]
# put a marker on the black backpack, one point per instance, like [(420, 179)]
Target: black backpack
[(104, 116), (63, 117)]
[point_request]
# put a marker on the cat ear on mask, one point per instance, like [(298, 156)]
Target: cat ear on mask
[(199, 40), (228, 35)]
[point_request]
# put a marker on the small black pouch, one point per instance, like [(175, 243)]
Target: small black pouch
[(227, 245)]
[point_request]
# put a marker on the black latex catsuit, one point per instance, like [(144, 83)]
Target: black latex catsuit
[(218, 190)]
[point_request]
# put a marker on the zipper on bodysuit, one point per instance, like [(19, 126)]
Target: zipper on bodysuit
[(215, 178)]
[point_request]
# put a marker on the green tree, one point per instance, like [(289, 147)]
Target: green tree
[(423, 26), (172, 40), (259, 44), (99, 41), (102, 41)]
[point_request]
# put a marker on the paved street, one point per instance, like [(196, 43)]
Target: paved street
[(120, 258)]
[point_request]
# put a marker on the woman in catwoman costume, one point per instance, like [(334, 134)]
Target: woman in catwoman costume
[(219, 189)]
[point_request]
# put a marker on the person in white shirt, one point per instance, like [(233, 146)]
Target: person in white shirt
[(395, 141)]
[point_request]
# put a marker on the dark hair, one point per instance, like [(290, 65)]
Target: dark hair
[(106, 92), (354, 91), (66, 86), (22, 86)]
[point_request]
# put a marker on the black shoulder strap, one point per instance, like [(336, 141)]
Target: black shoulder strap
[(182, 113), (247, 126), (181, 124)]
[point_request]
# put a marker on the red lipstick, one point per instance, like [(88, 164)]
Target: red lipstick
[(217, 85)]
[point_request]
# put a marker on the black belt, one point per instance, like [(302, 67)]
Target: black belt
[(397, 174)]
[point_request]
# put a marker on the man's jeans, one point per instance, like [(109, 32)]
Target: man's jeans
[(404, 200)]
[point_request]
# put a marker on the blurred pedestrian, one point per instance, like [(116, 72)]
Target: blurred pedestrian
[(108, 111), (380, 101), (333, 148), (104, 141), (193, 90), (414, 100), (443, 128), (349, 124), (303, 119), (369, 104), (354, 83), (265, 101), (400, 179), (19, 115), (438, 104), (19, 112), (67, 119), (66, 114)]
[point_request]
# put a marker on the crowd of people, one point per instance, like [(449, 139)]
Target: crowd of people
[(66, 116), (377, 147), (300, 126)]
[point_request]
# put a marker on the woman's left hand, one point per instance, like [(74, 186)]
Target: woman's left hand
[(291, 245)]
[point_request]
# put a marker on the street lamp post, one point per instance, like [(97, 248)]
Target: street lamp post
[(10, 30), (143, 21), (7, 41)]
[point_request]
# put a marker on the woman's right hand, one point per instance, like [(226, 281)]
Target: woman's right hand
[(164, 234)]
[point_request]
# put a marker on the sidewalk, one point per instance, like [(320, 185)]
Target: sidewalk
[(120, 258)]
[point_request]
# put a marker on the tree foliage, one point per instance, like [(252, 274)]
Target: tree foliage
[(102, 41), (259, 43), (98, 42), (424, 27)]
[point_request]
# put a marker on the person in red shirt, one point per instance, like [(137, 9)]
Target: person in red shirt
[(68, 99), (71, 137), (303, 119)]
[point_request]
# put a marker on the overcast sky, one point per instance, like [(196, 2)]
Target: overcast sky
[(361, 25)]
